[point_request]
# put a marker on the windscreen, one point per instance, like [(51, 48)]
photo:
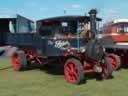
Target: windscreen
[(60, 29)]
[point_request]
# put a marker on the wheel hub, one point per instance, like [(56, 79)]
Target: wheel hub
[(71, 72)]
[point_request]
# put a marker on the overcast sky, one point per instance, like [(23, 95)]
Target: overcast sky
[(38, 9)]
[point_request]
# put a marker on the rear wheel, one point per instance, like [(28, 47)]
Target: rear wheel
[(19, 61), (106, 68), (73, 70), (116, 63)]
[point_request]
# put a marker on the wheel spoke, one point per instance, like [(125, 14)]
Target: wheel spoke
[(75, 72), (73, 78), (16, 61), (69, 77), (72, 67), (68, 69), (113, 62)]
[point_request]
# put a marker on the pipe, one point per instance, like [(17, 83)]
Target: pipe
[(93, 14)]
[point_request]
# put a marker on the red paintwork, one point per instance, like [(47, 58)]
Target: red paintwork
[(114, 62), (119, 38), (123, 55), (69, 53), (110, 31), (16, 63), (89, 71), (31, 54), (71, 72), (124, 59), (88, 65), (114, 29)]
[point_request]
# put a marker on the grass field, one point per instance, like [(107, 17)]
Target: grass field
[(43, 83)]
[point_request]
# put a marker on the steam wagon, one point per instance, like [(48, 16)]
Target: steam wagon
[(70, 40)]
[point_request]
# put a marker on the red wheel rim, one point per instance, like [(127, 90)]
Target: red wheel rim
[(105, 71), (16, 63), (71, 72), (114, 62)]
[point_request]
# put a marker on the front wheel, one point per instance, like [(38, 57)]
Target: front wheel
[(106, 68), (73, 70)]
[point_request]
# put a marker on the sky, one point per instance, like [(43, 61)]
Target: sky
[(39, 9)]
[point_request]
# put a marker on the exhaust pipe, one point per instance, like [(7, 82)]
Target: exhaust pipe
[(93, 14)]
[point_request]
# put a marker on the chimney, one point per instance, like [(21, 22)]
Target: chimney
[(93, 14)]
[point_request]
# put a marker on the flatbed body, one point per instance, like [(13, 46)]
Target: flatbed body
[(47, 46)]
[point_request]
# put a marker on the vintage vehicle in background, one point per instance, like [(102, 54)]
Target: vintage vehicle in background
[(67, 39), (116, 32)]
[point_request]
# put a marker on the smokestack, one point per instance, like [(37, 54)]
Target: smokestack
[(93, 14)]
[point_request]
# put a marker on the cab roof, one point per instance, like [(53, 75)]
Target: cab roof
[(67, 18)]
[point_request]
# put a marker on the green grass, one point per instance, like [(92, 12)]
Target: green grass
[(41, 83)]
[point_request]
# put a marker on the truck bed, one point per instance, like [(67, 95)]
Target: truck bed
[(24, 39), (48, 46)]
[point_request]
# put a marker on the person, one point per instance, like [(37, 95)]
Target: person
[(70, 35), (85, 32)]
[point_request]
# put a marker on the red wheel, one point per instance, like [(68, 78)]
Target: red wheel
[(74, 71), (116, 63), (106, 68), (19, 61)]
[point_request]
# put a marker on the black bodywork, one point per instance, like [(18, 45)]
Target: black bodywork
[(14, 24), (48, 46), (52, 45)]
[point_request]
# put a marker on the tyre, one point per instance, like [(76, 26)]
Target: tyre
[(19, 61), (106, 68), (116, 62), (74, 72)]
